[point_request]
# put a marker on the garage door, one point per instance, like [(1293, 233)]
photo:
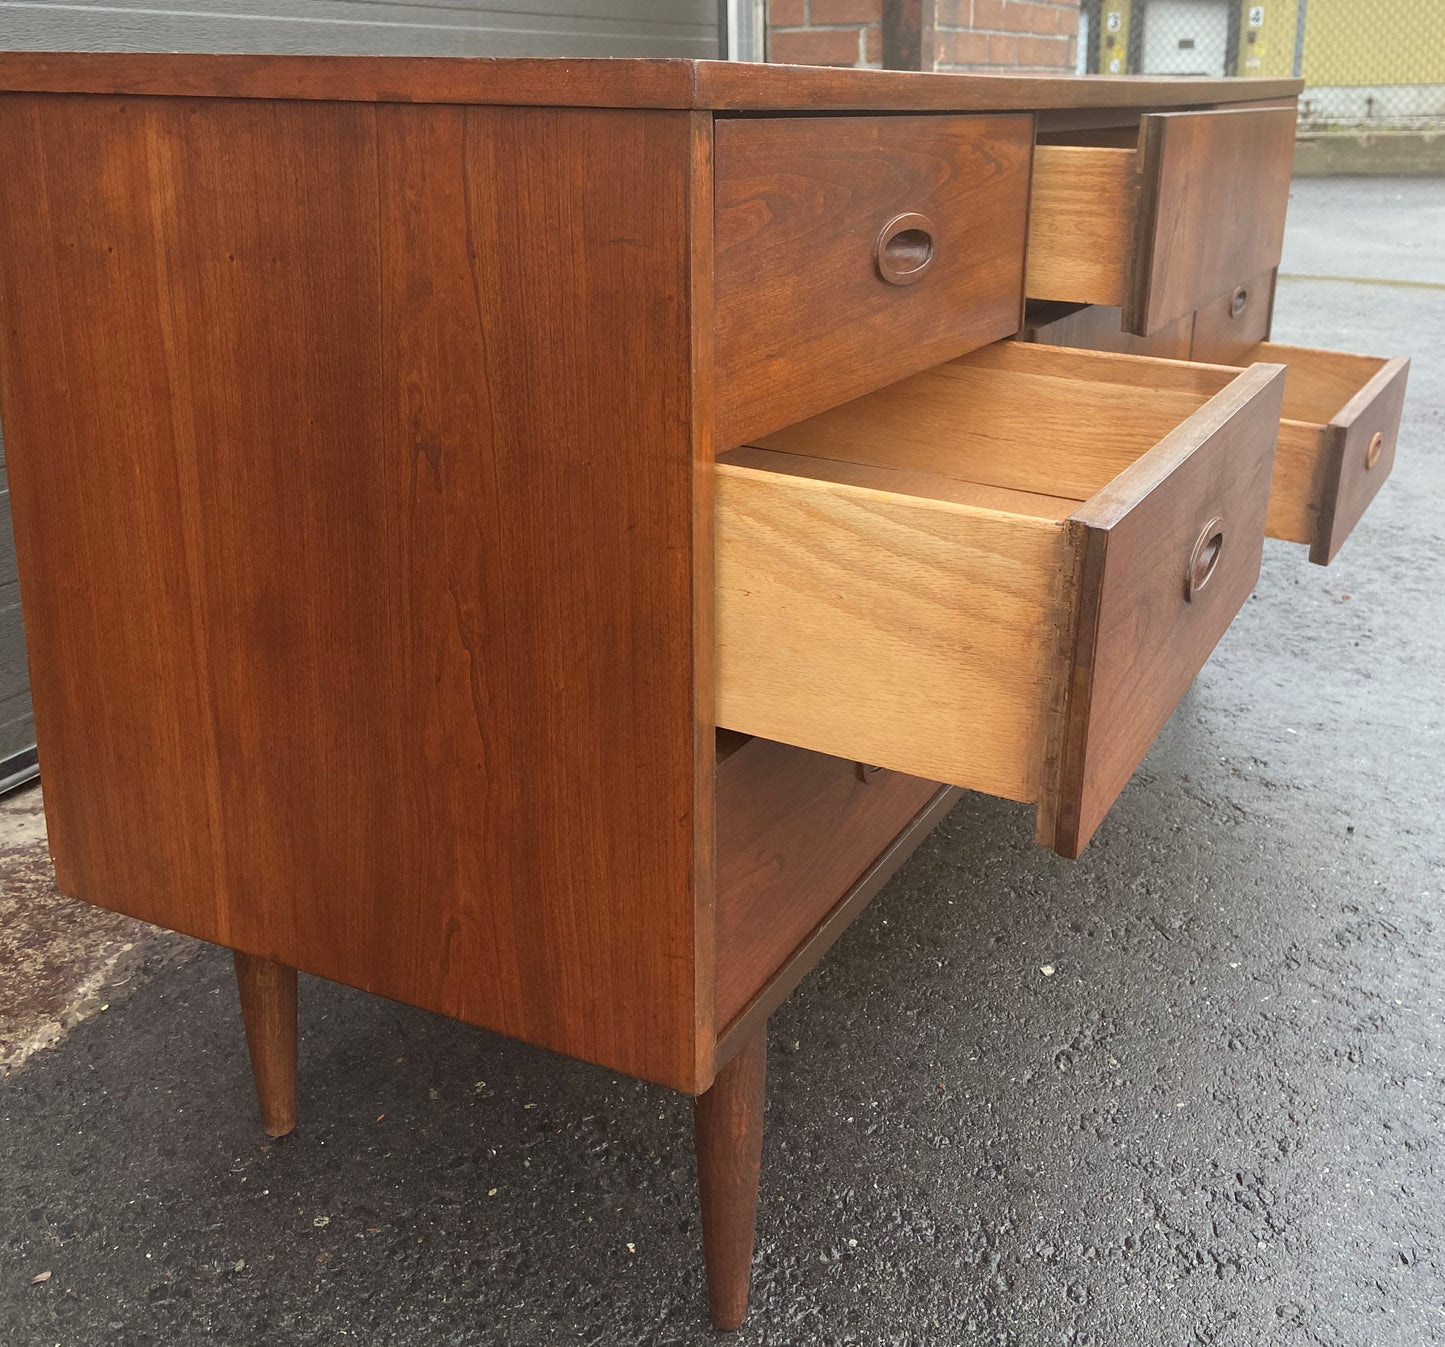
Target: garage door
[(403, 27)]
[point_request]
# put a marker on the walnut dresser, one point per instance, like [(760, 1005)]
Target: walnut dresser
[(544, 540)]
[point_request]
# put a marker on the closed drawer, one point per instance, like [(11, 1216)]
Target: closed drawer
[(1002, 573), (1100, 327), (794, 831), (851, 251), (1190, 213), (1226, 330), (1340, 421)]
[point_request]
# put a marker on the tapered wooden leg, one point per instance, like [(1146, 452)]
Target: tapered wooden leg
[(268, 1006), (728, 1122)]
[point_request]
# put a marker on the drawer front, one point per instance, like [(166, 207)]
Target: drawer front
[(1213, 191), (1340, 421), (978, 576), (1233, 323), (794, 831), (1176, 224), (1100, 327), (1171, 550), (852, 251)]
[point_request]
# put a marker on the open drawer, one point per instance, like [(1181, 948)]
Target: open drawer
[(1178, 220), (1002, 573), (1336, 445)]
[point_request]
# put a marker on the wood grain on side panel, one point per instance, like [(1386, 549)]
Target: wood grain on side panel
[(805, 317), (357, 565), (701, 218), (1297, 486)]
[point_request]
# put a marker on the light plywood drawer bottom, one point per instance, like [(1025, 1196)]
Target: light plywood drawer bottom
[(1002, 573)]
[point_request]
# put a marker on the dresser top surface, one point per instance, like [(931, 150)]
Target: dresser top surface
[(721, 86)]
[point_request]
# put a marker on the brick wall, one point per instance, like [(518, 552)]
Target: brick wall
[(826, 32), (1006, 34), (958, 34)]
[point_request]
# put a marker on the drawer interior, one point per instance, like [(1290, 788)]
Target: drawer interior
[(1339, 424), (1318, 383), (1033, 431), (900, 580)]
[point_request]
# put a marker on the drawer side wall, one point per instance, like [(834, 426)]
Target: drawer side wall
[(1081, 223), (912, 634)]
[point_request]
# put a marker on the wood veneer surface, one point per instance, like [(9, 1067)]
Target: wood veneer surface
[(804, 318), (362, 633), (560, 82)]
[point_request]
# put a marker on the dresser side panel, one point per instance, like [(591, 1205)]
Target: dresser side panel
[(352, 459)]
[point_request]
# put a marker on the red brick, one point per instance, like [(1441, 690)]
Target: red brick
[(1046, 52), (1044, 18), (1068, 20), (953, 14), (873, 43), (987, 14), (1018, 16), (786, 14), (1003, 49), (969, 49), (845, 11), (819, 46)]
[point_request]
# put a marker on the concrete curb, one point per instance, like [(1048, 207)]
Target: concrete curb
[(1396, 154)]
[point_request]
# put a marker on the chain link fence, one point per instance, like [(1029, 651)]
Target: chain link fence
[(1364, 62)]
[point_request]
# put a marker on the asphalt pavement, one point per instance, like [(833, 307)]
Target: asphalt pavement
[(1187, 1090)]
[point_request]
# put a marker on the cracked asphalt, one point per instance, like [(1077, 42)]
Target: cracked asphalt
[(1217, 1120)]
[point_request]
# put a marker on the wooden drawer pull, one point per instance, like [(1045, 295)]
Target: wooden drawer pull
[(905, 248), (1239, 301), (1375, 448), (1204, 558)]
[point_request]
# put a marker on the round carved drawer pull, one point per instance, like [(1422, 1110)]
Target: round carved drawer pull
[(1204, 559), (1376, 448), (1238, 301), (905, 248)]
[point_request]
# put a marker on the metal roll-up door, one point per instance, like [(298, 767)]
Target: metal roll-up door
[(362, 27)]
